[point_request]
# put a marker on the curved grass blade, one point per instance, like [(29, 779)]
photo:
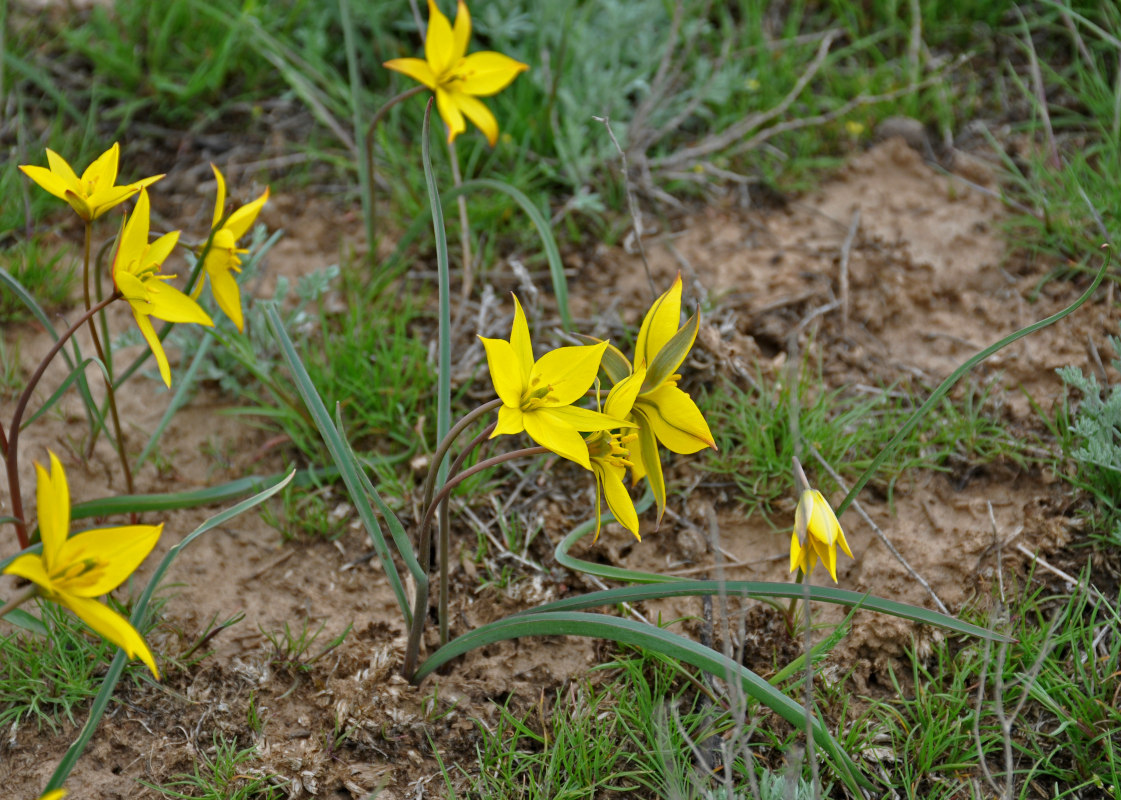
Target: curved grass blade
[(548, 241), (348, 467), (940, 392), (628, 631), (139, 612), (75, 374), (766, 589)]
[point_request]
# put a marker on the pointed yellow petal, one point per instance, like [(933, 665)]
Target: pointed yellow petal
[(668, 359), (46, 180), (227, 295), (31, 567), (120, 550), (659, 325), (112, 627), (621, 398), (550, 430), (241, 220), (486, 73), (450, 113), (439, 44), (53, 498), (415, 68), (153, 340), (505, 371), (80, 205), (461, 32), (103, 171), (62, 169), (479, 114), (583, 419), (160, 249), (795, 551), (510, 421), (104, 199), (647, 463), (134, 238), (220, 196), (171, 305), (568, 371), (619, 499), (676, 420), (521, 342)]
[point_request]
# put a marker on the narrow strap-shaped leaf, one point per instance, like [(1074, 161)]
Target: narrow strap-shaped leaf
[(768, 589), (660, 640), (75, 374), (340, 454)]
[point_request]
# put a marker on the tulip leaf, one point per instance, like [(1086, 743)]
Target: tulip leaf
[(660, 640), (766, 589)]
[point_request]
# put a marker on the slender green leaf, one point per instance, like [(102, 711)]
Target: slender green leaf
[(56, 395), (627, 631), (766, 589), (340, 454)]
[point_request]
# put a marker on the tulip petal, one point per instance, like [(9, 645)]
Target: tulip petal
[(450, 113), (486, 73), (568, 371), (111, 626), (511, 420), (550, 430), (53, 499), (31, 567), (227, 294), (134, 237), (439, 44), (644, 451), (586, 420), (119, 551), (673, 353), (46, 180), (153, 340), (478, 113), (220, 196), (61, 168), (619, 499), (171, 305), (415, 68), (103, 171), (102, 200), (505, 371), (621, 398), (160, 249), (520, 341), (241, 220), (659, 325), (675, 419), (461, 31)]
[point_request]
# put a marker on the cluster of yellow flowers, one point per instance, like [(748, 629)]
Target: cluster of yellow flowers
[(137, 262), (643, 409)]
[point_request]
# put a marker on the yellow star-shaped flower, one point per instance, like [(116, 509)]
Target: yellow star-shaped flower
[(73, 571), (95, 192), (817, 535), (459, 79)]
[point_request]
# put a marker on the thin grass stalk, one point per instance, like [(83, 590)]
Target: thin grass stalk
[(944, 387), (365, 171)]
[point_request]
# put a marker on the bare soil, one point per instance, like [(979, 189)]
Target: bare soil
[(925, 281)]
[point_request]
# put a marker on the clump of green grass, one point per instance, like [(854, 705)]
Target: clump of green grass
[(756, 438), (48, 276), (223, 773), (47, 677)]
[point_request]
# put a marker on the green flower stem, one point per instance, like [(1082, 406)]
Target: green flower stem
[(369, 208), (420, 606), (935, 396), (464, 229), (445, 534), (110, 395), (12, 461), (21, 597)]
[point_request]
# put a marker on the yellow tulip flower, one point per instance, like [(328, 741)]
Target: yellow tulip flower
[(137, 277), (72, 571), (537, 396), (816, 536), (223, 258), (663, 413), (459, 79), (55, 794), (95, 192)]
